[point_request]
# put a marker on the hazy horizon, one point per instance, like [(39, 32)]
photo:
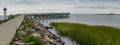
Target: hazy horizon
[(73, 6)]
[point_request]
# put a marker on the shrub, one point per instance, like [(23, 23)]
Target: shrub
[(30, 38)]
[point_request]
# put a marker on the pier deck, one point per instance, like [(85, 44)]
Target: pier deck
[(48, 15), (8, 29)]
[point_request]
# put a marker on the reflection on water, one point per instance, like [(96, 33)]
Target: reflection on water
[(67, 40)]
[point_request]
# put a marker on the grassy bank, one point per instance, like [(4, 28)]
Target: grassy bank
[(89, 35)]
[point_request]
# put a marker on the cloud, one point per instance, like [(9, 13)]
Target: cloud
[(74, 6), (99, 5)]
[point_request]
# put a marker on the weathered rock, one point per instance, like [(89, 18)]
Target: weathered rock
[(31, 31), (28, 28), (16, 39), (47, 37), (22, 33), (37, 35), (59, 43), (19, 43), (21, 27), (30, 43)]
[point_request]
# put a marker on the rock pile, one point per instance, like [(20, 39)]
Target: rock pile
[(46, 36), (38, 31)]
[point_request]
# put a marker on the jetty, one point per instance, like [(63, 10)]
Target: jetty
[(9, 28)]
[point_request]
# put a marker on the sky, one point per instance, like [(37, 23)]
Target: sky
[(49, 6)]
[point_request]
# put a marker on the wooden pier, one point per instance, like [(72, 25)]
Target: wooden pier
[(47, 15)]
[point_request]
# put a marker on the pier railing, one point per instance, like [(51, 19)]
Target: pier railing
[(47, 15)]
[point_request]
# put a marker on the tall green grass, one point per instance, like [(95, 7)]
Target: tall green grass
[(89, 35)]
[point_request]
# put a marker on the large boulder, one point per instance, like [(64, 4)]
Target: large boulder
[(37, 35)]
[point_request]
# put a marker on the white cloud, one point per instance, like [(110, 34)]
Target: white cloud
[(73, 6)]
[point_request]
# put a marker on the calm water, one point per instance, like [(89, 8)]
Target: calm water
[(107, 20)]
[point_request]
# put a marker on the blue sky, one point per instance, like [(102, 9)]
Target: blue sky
[(73, 6)]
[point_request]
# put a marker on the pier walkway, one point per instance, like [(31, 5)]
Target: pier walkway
[(8, 29)]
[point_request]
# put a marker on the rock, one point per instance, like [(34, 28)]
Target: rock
[(48, 44), (44, 40), (21, 27), (30, 43), (59, 43), (47, 37), (31, 31), (52, 41), (22, 33), (19, 43), (28, 28), (37, 35), (16, 39), (37, 27), (36, 23), (13, 44)]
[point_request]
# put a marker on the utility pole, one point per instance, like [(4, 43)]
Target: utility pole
[(5, 9)]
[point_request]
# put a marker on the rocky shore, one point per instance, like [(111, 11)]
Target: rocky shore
[(35, 34), (46, 36)]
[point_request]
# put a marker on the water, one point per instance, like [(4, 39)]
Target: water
[(67, 40), (107, 20), (1, 17)]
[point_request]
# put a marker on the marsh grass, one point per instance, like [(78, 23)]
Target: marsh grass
[(89, 35)]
